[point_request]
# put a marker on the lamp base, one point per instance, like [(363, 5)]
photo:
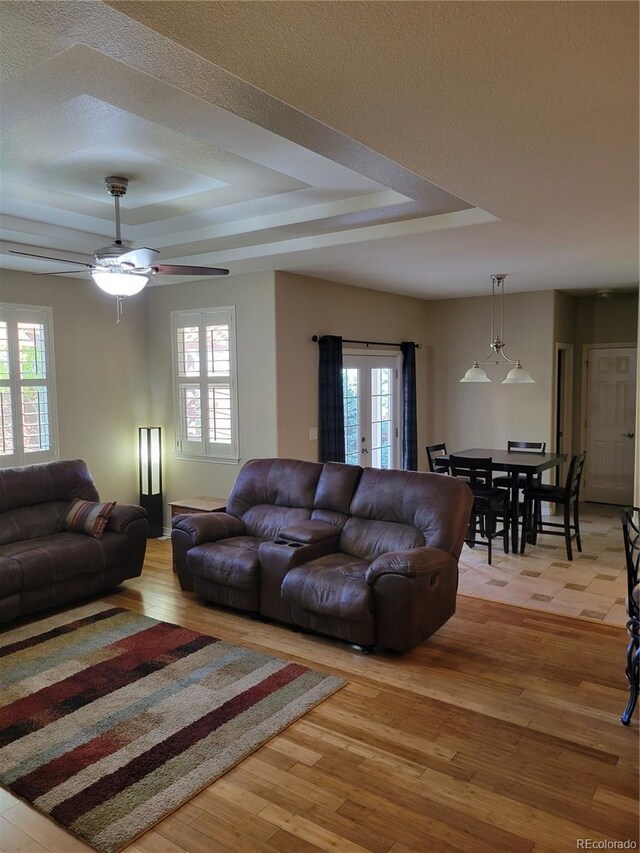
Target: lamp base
[(153, 506)]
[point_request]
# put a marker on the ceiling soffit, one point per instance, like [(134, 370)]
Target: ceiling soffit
[(214, 164)]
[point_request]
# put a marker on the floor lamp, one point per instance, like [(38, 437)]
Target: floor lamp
[(150, 463)]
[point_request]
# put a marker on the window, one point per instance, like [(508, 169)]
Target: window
[(204, 360), (27, 387)]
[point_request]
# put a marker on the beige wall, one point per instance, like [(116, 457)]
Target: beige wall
[(101, 374), (307, 307), (603, 321), (565, 318), (488, 415), (253, 298)]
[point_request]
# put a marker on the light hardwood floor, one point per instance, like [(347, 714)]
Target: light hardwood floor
[(501, 733)]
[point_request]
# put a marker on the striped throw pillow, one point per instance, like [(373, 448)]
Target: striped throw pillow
[(88, 517)]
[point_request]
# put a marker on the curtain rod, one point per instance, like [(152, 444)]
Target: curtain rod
[(315, 339)]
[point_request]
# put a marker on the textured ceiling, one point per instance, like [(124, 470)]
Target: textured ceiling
[(408, 146)]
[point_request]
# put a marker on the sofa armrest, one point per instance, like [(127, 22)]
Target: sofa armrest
[(131, 521), (415, 563), (414, 594), (122, 515), (208, 526), (310, 532)]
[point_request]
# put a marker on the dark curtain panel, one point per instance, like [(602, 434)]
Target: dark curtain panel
[(331, 406), (409, 410)]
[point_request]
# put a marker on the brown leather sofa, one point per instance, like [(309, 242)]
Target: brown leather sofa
[(368, 556), (43, 565)]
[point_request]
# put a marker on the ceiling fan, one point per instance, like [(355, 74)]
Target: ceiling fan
[(123, 273)]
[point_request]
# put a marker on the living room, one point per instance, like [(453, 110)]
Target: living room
[(510, 145)]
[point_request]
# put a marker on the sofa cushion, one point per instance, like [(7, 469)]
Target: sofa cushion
[(276, 482), (429, 502), (30, 522), (50, 481), (51, 559), (10, 577), (231, 562), (333, 585), (89, 517), (336, 486), (369, 539), (266, 521)]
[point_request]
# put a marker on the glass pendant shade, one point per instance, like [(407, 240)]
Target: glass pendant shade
[(119, 283), (518, 376), (475, 374)]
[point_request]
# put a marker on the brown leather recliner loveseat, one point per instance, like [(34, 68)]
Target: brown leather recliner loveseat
[(368, 556), (42, 564)]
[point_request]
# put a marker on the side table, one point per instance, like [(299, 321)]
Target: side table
[(193, 505)]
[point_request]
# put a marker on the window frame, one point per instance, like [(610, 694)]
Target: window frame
[(14, 313), (205, 450)]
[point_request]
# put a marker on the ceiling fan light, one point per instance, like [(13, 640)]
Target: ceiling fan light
[(518, 376), (475, 374), (119, 283)]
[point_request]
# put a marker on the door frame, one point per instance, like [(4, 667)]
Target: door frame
[(397, 403), (584, 388)]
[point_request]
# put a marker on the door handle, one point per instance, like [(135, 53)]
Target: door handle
[(629, 434)]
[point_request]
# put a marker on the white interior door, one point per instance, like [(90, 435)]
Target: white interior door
[(371, 410), (611, 414)]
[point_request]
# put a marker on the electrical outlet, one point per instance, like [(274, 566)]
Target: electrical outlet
[(313, 434)]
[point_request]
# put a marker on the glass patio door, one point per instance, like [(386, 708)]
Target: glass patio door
[(371, 410)]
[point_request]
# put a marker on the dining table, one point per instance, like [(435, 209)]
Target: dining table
[(514, 463)]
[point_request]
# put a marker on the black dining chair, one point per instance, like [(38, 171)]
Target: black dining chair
[(521, 447), (490, 505), (631, 535), (433, 452), (567, 496)]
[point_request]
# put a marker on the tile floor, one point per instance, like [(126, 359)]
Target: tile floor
[(592, 586)]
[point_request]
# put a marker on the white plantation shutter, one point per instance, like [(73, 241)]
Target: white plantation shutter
[(204, 363), (27, 386)]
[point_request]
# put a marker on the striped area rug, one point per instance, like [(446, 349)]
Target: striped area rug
[(110, 720)]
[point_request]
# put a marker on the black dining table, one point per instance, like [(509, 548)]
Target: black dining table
[(514, 463)]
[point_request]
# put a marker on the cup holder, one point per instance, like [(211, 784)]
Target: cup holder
[(294, 544), (280, 542)]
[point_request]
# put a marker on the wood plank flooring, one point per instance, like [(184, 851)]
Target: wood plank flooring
[(499, 735)]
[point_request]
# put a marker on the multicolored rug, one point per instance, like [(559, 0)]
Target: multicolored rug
[(110, 720)]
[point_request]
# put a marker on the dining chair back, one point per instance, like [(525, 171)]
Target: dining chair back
[(490, 505), (630, 518), (434, 451), (521, 447), (567, 496), (526, 446)]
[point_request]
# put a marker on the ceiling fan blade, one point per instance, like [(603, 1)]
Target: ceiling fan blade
[(143, 257), (49, 258), (62, 272), (171, 269)]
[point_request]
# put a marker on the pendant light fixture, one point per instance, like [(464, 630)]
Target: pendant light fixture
[(517, 375)]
